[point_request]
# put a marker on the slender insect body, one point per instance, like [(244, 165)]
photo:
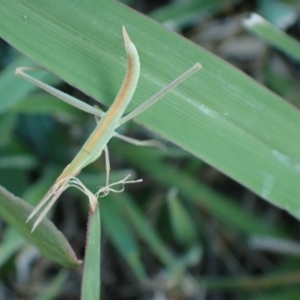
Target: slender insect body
[(86, 156), (104, 131)]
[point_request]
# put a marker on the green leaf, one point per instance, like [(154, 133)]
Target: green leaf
[(90, 289), (220, 114), (46, 237)]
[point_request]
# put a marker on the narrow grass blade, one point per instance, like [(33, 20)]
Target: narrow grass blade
[(121, 236), (175, 265), (91, 282), (272, 35), (184, 230), (143, 228)]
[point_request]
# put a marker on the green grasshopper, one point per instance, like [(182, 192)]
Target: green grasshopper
[(105, 130)]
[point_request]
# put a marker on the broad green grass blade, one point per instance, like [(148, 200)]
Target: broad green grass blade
[(91, 282), (47, 238), (220, 115), (274, 36)]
